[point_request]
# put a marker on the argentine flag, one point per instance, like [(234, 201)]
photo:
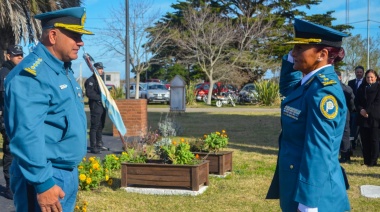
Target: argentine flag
[(107, 100)]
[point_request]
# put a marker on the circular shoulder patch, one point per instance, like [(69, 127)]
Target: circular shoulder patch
[(329, 107)]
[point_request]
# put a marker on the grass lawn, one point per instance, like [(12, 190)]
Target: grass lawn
[(253, 138)]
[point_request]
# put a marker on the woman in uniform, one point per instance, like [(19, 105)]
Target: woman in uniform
[(308, 176)]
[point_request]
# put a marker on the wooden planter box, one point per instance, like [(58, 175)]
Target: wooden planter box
[(165, 175), (220, 162)]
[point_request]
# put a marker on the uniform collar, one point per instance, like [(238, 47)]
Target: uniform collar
[(307, 76), (51, 60)]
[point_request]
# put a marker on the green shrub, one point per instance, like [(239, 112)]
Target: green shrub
[(190, 95), (268, 92), (117, 93)]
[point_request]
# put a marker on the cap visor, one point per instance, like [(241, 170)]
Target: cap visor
[(73, 28), (295, 42), (80, 31)]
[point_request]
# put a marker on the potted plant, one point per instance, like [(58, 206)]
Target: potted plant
[(175, 166), (209, 148)]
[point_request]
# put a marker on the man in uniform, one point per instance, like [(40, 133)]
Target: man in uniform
[(45, 118), (14, 56), (97, 111)]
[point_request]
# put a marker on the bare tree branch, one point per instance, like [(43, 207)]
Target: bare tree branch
[(218, 45), (143, 47)]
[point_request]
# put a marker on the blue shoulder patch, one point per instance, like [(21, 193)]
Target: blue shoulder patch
[(32, 69), (326, 80)]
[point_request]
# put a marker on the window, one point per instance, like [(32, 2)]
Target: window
[(108, 77)]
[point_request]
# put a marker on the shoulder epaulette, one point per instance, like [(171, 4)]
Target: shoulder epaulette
[(325, 80), (32, 69)]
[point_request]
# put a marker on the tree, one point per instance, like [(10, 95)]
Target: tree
[(145, 40), (219, 46), (356, 52), (266, 53), (17, 22)]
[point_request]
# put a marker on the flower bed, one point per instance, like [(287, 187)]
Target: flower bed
[(220, 162), (161, 175)]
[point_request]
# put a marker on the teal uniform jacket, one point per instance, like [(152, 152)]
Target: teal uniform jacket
[(44, 117), (313, 116)]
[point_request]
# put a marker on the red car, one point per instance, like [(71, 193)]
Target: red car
[(202, 89)]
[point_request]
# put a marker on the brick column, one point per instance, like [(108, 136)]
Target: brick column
[(135, 116)]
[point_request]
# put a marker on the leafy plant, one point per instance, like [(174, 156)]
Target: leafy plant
[(117, 93), (111, 162), (268, 92), (159, 144), (214, 141), (133, 156), (169, 127), (178, 152), (190, 94), (91, 173)]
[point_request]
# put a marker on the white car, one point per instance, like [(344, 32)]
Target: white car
[(142, 90), (157, 92)]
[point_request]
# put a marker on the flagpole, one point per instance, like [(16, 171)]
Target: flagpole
[(127, 59)]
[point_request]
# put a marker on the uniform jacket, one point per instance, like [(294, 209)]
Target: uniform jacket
[(44, 117), (92, 88), (7, 67), (94, 95), (313, 117), (369, 99)]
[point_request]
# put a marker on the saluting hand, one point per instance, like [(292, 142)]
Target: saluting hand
[(49, 200)]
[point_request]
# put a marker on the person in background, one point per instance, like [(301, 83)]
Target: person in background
[(345, 146), (97, 111), (354, 84), (13, 57), (369, 117), (45, 118), (308, 175)]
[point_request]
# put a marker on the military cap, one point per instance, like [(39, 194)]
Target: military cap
[(99, 65), (311, 33), (71, 19), (15, 50)]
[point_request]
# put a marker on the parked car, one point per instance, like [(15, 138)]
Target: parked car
[(142, 90), (157, 92), (202, 89), (153, 80), (248, 94), (247, 88)]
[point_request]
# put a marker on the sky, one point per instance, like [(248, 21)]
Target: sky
[(98, 10)]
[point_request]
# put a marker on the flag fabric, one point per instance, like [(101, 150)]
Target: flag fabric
[(107, 100)]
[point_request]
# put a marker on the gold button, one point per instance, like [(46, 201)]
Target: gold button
[(291, 166)]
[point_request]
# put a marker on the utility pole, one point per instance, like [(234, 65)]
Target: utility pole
[(368, 36), (127, 64)]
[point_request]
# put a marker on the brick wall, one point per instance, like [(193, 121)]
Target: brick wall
[(135, 116)]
